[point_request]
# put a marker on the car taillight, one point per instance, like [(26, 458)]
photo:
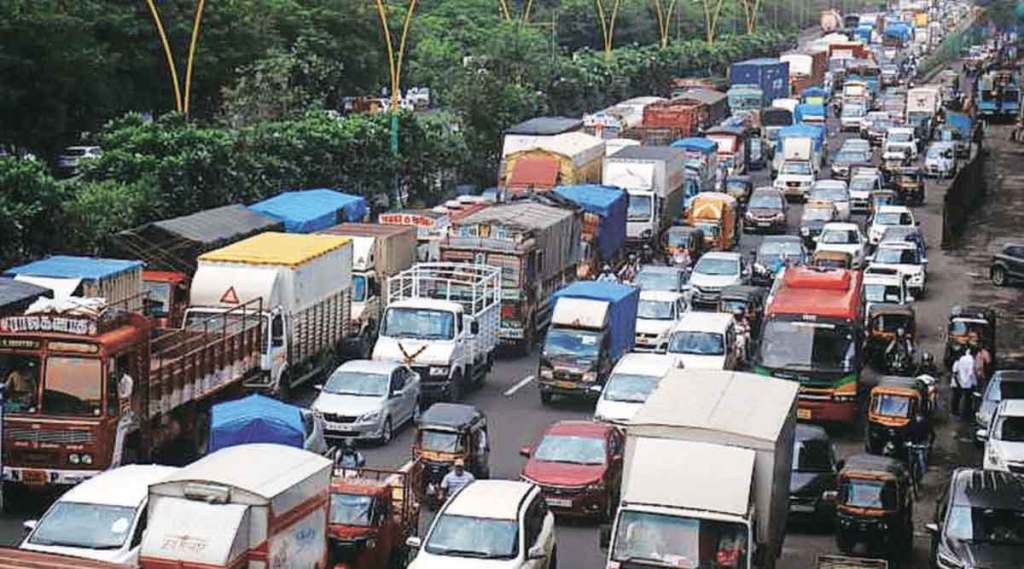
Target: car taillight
[(509, 311)]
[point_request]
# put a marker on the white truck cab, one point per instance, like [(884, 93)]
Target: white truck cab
[(798, 169)]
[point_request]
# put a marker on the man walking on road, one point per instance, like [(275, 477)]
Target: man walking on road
[(963, 382)]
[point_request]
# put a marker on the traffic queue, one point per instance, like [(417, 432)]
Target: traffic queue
[(611, 246)]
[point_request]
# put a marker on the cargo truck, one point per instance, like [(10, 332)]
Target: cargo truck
[(745, 98), (309, 211), (806, 68), (592, 326), (535, 242), (609, 123), (563, 159), (701, 161), (442, 321), (923, 103), (378, 252), (771, 76), (116, 281), (604, 226), (527, 134), (305, 285), (243, 507), (653, 178), (16, 296), (729, 466), (717, 103)]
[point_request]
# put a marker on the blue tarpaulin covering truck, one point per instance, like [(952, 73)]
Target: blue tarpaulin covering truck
[(308, 211), (771, 76), (604, 224)]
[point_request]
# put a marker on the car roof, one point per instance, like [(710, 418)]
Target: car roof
[(1011, 408), (896, 245), (640, 363), (980, 488), (766, 190), (829, 184), (660, 295), (496, 499), (703, 322), (841, 226), (124, 486), (782, 239), (370, 366), (808, 432), (579, 428), (729, 255), (894, 209)]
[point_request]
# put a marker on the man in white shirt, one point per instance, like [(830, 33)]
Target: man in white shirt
[(455, 480), (963, 382)]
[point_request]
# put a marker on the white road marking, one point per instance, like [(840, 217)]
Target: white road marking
[(522, 383)]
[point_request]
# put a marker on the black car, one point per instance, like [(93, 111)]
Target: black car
[(979, 521), (766, 211), (813, 473), (1007, 264)]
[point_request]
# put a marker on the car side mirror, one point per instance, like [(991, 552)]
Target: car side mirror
[(319, 387), (981, 433), (605, 536), (525, 451), (413, 542), (536, 552), (29, 525), (932, 528)]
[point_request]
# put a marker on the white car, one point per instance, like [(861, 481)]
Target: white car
[(500, 524), (713, 272), (861, 187), (905, 258), (366, 399), (834, 191), (889, 216), (633, 378), (844, 238), (102, 518), (1004, 437), (657, 312), (940, 160), (851, 115), (72, 156), (704, 340), (795, 178), (899, 138)]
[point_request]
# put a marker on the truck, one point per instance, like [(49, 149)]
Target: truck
[(729, 463), (309, 211), (529, 133), (769, 75), (830, 21), (170, 248), (806, 68), (14, 558), (248, 506), (669, 120), (116, 281), (378, 252), (604, 226), (442, 321), (923, 103), (16, 296), (701, 166), (563, 159), (653, 178), (797, 167), (592, 326), (304, 283), (733, 148), (900, 34), (998, 94), (848, 50), (372, 513), (748, 98), (89, 390), (609, 123), (717, 103)]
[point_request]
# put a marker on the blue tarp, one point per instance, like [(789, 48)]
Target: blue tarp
[(697, 144), (960, 121), (812, 92), (255, 419), (817, 132), (609, 203), (804, 110), (65, 267), (308, 211), (624, 300)]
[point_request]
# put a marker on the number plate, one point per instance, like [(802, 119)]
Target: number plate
[(764, 224), (565, 385), (559, 502), (803, 414), (33, 477), (338, 427)]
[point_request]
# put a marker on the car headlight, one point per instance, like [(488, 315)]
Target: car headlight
[(86, 459), (438, 371), (994, 457), (646, 234), (596, 486), (74, 459), (369, 417), (547, 373), (805, 231), (780, 215), (590, 376)]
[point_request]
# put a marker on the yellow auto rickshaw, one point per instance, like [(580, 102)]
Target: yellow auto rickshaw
[(893, 405), (884, 320), (717, 215)]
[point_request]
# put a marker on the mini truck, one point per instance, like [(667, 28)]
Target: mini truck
[(653, 178), (593, 325), (305, 285), (442, 321), (372, 514), (729, 466)]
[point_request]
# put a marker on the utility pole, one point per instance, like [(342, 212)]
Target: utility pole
[(395, 71)]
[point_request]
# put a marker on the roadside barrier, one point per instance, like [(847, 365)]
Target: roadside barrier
[(965, 194)]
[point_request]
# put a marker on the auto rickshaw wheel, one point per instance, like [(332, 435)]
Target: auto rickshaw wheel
[(998, 276), (553, 563)]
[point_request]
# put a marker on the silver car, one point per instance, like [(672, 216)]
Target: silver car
[(366, 399)]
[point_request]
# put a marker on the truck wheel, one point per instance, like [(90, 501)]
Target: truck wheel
[(455, 392), (201, 442), (998, 276)]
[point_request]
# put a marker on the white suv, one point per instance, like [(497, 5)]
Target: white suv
[(490, 523), (1004, 438)]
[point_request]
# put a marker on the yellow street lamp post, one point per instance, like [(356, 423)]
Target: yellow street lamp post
[(181, 101)]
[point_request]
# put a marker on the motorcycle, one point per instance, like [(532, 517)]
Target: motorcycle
[(898, 362)]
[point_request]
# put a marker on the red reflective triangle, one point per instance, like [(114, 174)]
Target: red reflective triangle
[(230, 296)]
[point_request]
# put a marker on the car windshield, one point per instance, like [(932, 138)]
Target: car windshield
[(800, 345), (899, 136), (986, 525), (775, 249), (891, 218), (895, 256), (73, 386), (877, 292), (737, 185), (849, 156), (440, 441), (646, 538), (934, 153), (570, 449), (419, 323), (466, 536), (892, 405), (677, 239), (1010, 429), (796, 168), (358, 288), (717, 266), (359, 383), (639, 208), (658, 280), (862, 184), (765, 201), (861, 493), (351, 509), (839, 237), (830, 194), (656, 310), (852, 111), (629, 388), (87, 526), (20, 374), (812, 456), (576, 343), (696, 343), (817, 214)]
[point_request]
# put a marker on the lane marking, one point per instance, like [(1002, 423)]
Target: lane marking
[(522, 383)]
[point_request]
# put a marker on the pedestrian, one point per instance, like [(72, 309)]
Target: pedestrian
[(982, 364), (963, 382), (455, 480)]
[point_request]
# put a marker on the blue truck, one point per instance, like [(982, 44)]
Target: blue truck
[(769, 75), (701, 166), (604, 224), (309, 211), (592, 326)]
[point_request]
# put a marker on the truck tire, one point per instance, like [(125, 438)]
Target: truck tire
[(455, 392), (201, 436)]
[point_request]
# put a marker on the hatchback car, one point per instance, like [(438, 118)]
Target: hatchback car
[(578, 466), (713, 272), (814, 217), (1007, 264), (846, 158), (633, 378), (657, 312), (654, 277), (844, 238), (889, 216), (836, 192), (1004, 384), (1004, 437), (766, 211), (861, 187), (490, 524), (850, 116), (366, 399)]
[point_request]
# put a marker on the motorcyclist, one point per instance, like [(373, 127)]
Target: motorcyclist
[(901, 345), (742, 326), (681, 258), (350, 457), (920, 437)]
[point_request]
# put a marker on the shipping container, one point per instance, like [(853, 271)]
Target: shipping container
[(769, 75)]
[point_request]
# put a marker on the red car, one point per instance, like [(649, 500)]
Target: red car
[(578, 466)]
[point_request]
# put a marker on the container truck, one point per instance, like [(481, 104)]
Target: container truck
[(653, 178), (717, 103), (305, 285), (442, 321), (701, 161), (592, 326), (729, 463), (745, 98), (771, 76), (527, 134), (609, 123), (536, 244), (378, 252), (116, 281), (309, 211), (563, 159), (604, 226), (923, 103), (806, 68), (669, 120), (796, 170), (249, 506)]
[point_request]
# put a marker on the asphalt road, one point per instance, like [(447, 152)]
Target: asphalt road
[(512, 402)]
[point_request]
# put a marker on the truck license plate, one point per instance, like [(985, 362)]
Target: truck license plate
[(565, 385), (559, 502), (803, 414), (33, 477)]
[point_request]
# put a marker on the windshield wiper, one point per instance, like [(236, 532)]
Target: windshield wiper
[(641, 559), (467, 553)]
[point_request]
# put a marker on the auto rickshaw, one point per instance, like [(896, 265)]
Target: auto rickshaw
[(447, 432), (884, 320), (372, 513), (681, 238), (874, 507), (968, 324), (749, 299), (716, 214), (909, 185), (832, 260), (879, 198), (892, 407)]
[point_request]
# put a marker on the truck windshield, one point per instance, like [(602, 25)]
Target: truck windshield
[(576, 343), (20, 374), (363, 384), (639, 208), (697, 343), (819, 346), (570, 449), (629, 388), (420, 323), (672, 541), (656, 310), (82, 525), (358, 288), (73, 386), (158, 298), (481, 538), (351, 509)]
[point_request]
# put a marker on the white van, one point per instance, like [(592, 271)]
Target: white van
[(632, 379), (704, 340)]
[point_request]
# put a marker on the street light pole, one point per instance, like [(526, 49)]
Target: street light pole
[(167, 53), (181, 103), (395, 71)]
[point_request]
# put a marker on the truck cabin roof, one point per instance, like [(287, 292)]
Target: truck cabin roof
[(450, 415)]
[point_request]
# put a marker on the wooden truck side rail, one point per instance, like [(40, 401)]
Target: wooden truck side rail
[(193, 364), (13, 558)]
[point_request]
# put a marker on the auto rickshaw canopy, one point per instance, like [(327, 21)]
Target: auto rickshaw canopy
[(888, 318), (869, 483), (451, 416)]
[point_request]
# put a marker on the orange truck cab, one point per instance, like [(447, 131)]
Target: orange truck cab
[(715, 214), (372, 512), (166, 296)]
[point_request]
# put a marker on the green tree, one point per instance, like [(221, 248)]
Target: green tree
[(30, 206)]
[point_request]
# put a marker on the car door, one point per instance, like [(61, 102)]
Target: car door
[(412, 390), (396, 397), (538, 534)]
